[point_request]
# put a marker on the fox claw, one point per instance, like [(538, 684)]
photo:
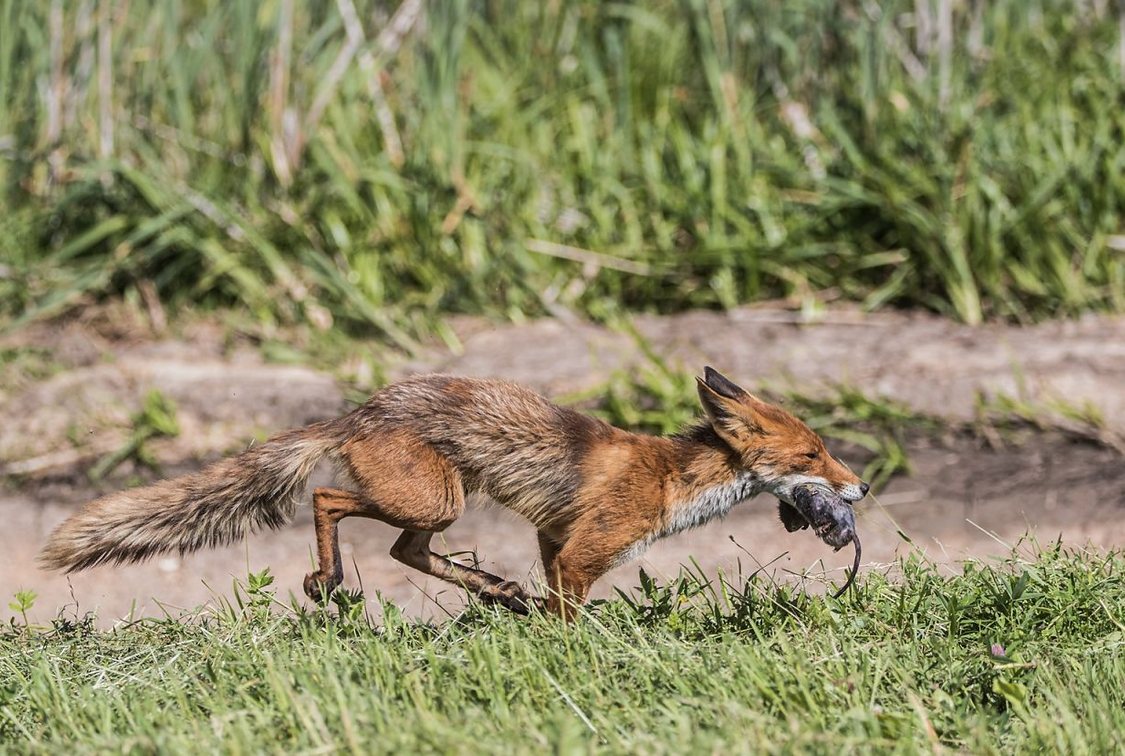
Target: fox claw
[(512, 596)]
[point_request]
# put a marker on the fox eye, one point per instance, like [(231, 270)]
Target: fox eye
[(812, 454)]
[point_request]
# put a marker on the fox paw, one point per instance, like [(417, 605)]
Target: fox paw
[(319, 587), (512, 596)]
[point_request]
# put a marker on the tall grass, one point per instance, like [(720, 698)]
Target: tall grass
[(383, 164)]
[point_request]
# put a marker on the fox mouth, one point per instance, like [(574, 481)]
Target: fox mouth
[(828, 514)]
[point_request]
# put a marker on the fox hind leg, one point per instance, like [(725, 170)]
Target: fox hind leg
[(330, 505), (401, 481), (405, 483), (413, 549)]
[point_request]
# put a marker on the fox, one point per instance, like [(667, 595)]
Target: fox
[(597, 495)]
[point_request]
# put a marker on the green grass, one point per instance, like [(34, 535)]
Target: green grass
[(20, 366), (1025, 655), (601, 157)]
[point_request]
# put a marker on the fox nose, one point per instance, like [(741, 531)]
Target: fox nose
[(863, 488)]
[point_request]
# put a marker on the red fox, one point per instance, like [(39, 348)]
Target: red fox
[(597, 495)]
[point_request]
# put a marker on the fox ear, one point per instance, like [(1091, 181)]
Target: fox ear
[(725, 405), (722, 385)]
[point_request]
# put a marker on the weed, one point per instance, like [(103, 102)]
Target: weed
[(24, 601), (156, 419), (22, 365), (1000, 415)]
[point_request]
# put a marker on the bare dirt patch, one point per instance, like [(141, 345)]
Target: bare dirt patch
[(961, 498), (930, 364)]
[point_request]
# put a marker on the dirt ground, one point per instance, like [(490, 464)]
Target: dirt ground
[(964, 499)]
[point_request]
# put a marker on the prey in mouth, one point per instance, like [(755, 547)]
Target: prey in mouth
[(829, 515)]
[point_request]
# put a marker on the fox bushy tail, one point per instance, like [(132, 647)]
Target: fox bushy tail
[(221, 504)]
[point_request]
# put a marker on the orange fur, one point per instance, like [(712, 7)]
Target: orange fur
[(598, 495)]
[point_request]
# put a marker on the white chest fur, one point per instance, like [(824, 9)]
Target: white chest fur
[(709, 504)]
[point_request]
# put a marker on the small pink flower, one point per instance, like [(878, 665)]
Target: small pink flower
[(998, 650)]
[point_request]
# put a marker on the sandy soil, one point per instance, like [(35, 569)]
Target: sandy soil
[(962, 500)]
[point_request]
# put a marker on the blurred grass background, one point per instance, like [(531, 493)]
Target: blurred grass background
[(380, 165)]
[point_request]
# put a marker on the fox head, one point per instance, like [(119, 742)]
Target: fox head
[(778, 448)]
